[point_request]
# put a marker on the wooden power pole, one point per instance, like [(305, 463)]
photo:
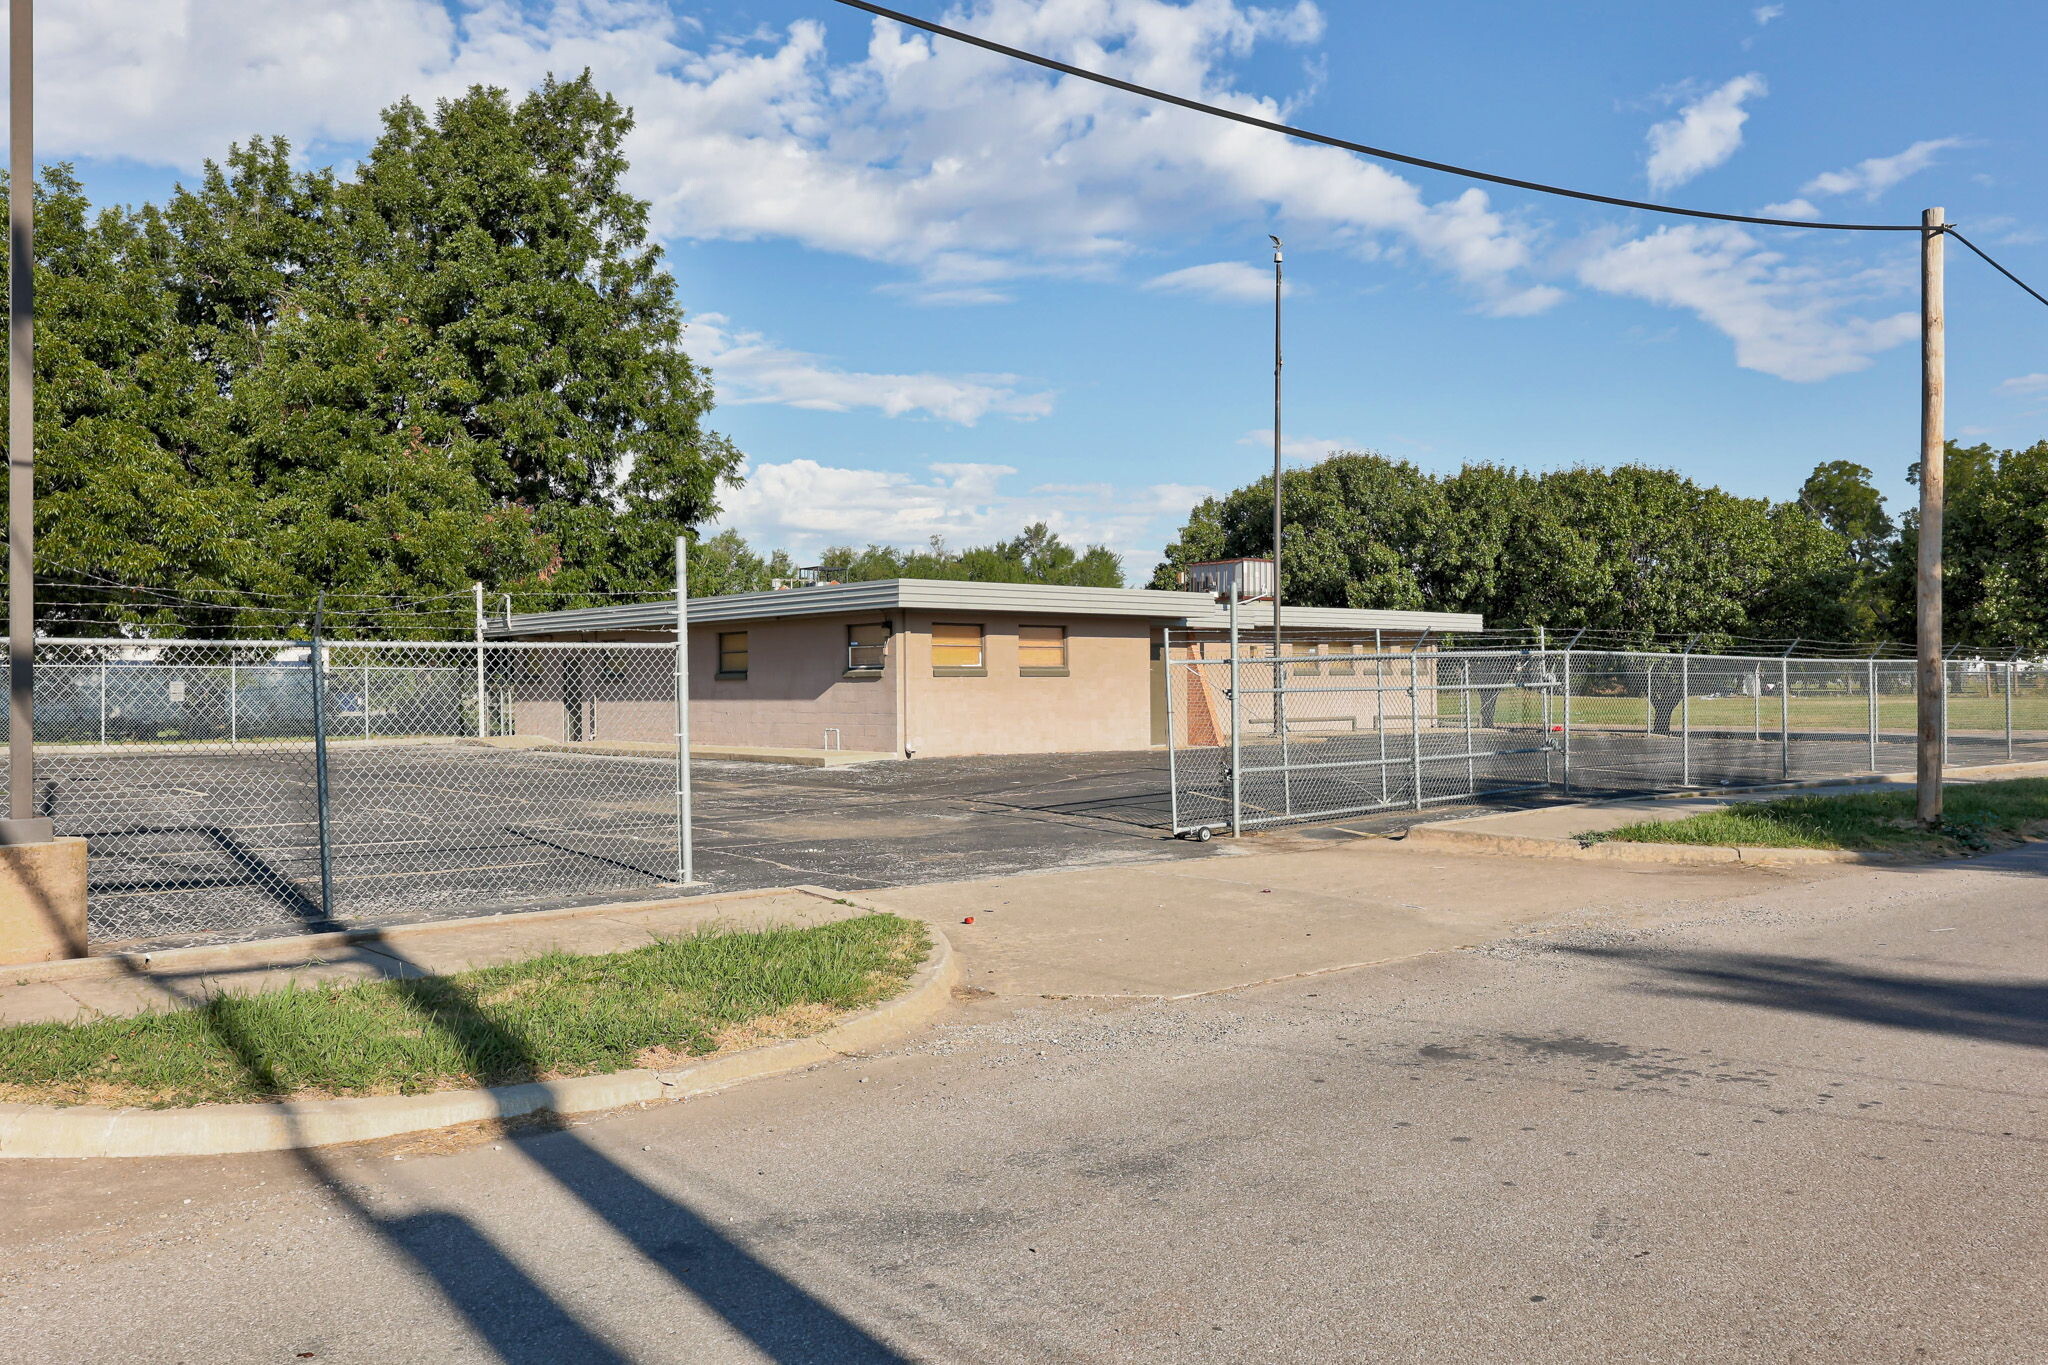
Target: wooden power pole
[(1933, 676)]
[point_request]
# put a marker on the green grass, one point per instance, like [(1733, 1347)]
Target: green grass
[(1809, 711), (1979, 816), (551, 1016)]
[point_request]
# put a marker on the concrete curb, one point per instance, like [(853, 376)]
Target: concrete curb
[(1523, 846), (307, 948), (42, 1130)]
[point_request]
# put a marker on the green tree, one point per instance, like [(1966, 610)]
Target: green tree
[(1035, 555), (1360, 530), (461, 364)]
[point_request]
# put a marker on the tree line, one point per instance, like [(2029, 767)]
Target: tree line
[(1643, 552)]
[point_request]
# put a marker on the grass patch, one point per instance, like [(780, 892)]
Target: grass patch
[(549, 1017), (1979, 816)]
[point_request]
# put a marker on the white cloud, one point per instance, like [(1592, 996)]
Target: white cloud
[(1784, 319), (1705, 133), (2026, 384), (1879, 173), (919, 153), (1763, 14), (804, 506), (749, 369), (1229, 281), (1791, 208), (1310, 448)]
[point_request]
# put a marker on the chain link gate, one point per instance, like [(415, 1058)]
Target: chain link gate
[(1333, 728), (236, 787), (1337, 726)]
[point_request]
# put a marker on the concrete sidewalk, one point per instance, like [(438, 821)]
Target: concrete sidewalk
[(1288, 906)]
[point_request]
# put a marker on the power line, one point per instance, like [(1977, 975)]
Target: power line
[(1382, 153), (1306, 135), (1995, 265)]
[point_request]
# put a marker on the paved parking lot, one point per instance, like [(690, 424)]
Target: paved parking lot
[(222, 845)]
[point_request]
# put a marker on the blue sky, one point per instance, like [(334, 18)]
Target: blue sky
[(944, 295)]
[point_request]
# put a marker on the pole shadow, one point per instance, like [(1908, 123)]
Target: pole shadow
[(2002, 1010), (512, 1312)]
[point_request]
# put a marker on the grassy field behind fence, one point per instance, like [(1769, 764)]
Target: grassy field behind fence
[(552, 1016), (1809, 711)]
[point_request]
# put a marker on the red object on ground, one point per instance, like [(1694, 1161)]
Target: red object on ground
[(968, 920), (1556, 729)]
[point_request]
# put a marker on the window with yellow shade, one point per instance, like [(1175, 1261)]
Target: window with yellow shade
[(732, 654), (957, 650), (1042, 651)]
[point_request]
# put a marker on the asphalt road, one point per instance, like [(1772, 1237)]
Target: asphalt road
[(1802, 1125)]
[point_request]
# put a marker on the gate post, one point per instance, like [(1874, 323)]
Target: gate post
[(1415, 720), (320, 755), (1236, 730), (686, 849), (234, 702), (103, 701), (1172, 741), (1873, 710), (1471, 760), (1785, 711), (1685, 716), (2012, 669), (1568, 715)]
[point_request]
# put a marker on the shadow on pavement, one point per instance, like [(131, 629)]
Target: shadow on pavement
[(2013, 1010), (510, 1310)]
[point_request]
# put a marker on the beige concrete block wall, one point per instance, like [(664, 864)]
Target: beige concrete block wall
[(1104, 702), (796, 688), (1321, 701)]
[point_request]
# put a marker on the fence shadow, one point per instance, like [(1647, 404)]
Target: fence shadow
[(510, 1310), (2010, 1010)]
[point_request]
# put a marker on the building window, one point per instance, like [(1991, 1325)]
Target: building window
[(732, 654), (866, 647), (1344, 668), (1304, 668), (1042, 651), (957, 651)]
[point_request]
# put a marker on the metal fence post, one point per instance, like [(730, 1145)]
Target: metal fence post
[(1568, 715), (1685, 717), (321, 796), (686, 859), (1415, 720), (1756, 704), (1236, 730), (2012, 669), (1873, 710), (1172, 735), (103, 699), (1471, 762), (482, 697), (1785, 712), (366, 697), (234, 703)]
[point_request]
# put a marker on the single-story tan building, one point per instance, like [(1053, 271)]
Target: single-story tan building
[(928, 667)]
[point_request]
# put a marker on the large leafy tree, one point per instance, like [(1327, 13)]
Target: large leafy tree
[(1632, 551), (460, 363), (1035, 555), (1994, 549)]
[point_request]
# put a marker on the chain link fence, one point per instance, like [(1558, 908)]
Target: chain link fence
[(1336, 726), (257, 786)]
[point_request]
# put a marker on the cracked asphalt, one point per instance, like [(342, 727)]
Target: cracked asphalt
[(1800, 1124)]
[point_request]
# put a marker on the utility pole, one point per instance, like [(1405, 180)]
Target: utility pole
[(22, 825), (1279, 698), (1933, 675)]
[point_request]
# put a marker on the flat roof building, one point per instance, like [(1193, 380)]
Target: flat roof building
[(931, 667)]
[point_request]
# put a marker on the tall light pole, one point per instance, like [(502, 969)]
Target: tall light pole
[(1932, 688), (1277, 683), (22, 826)]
